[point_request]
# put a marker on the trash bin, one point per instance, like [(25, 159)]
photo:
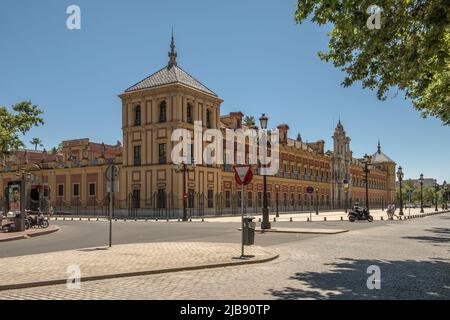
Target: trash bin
[(249, 231)]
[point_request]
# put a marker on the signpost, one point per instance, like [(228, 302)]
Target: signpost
[(112, 185), (243, 175)]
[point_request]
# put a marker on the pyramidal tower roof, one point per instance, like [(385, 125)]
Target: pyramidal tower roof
[(380, 157), (170, 74)]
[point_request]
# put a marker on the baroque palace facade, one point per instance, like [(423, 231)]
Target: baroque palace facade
[(171, 99)]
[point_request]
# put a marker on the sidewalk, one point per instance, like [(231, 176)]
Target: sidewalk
[(124, 261), (329, 215), (34, 232)]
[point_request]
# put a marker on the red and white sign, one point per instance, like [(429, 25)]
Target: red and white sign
[(243, 174)]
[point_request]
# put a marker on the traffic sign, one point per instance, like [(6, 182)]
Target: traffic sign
[(310, 190), (243, 174), (112, 172)]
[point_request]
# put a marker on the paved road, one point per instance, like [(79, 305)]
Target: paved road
[(413, 257), (84, 234)]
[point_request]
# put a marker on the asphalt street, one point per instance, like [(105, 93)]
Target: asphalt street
[(86, 234)]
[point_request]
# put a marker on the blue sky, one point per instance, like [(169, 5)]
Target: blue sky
[(251, 53)]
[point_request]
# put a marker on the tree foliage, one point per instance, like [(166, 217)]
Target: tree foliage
[(23, 117), (410, 52)]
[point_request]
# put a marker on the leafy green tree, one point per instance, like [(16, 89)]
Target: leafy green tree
[(36, 142), (23, 117), (410, 52)]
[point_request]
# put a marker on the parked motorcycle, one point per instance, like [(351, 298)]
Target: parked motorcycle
[(37, 220), (359, 215), (6, 224)]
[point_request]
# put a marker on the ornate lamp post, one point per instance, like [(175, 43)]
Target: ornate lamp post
[(277, 188), (400, 176), (317, 200), (421, 192), (367, 168), (445, 195), (265, 224), (436, 189), (184, 169)]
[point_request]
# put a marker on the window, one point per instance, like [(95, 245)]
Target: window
[(191, 194), (136, 199), (46, 192), (189, 113), (60, 190), (162, 112), (249, 199), (227, 199), (137, 156), (260, 199), (208, 118), (161, 202), (162, 153), (92, 189), (137, 116), (76, 190), (210, 199)]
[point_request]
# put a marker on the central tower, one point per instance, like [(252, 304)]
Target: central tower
[(152, 109)]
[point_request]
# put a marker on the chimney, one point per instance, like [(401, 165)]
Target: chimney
[(283, 129), (237, 119)]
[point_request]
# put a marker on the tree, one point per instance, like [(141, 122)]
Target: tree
[(23, 117), (36, 142), (410, 52), (249, 121)]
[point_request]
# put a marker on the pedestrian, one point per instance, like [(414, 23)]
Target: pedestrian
[(389, 211)]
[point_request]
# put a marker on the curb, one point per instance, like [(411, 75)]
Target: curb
[(33, 235), (301, 232), (135, 274)]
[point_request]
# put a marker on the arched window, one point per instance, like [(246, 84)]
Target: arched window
[(208, 118), (162, 112), (189, 113), (137, 116)]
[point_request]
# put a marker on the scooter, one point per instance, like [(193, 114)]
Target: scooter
[(6, 224), (359, 215)]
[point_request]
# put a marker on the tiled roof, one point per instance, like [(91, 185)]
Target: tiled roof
[(171, 75), (380, 157)]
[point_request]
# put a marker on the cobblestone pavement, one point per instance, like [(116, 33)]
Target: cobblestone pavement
[(123, 259), (413, 258)]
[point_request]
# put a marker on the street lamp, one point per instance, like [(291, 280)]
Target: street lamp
[(436, 189), (265, 224), (444, 195), (184, 169), (367, 168), (277, 188), (421, 192), (400, 176), (317, 201)]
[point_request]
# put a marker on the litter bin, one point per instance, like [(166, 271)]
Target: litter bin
[(249, 231)]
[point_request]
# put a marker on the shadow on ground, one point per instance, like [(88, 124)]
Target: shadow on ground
[(399, 280), (439, 236)]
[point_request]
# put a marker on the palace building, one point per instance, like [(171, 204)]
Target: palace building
[(149, 182)]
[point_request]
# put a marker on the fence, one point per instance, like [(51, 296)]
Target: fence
[(164, 205)]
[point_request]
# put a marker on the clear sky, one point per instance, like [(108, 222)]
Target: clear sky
[(251, 53)]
